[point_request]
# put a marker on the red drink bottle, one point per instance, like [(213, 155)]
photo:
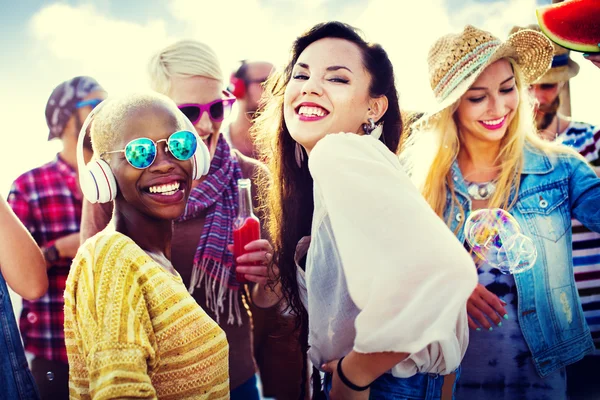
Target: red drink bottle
[(246, 227)]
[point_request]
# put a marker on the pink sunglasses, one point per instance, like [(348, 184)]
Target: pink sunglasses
[(217, 110)]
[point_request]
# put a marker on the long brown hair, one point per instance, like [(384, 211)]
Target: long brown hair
[(289, 195)]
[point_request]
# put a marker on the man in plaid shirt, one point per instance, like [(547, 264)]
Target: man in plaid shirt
[(48, 201)]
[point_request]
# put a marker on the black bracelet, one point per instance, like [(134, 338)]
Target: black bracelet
[(347, 382)]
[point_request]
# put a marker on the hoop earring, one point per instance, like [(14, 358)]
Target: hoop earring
[(369, 126), (299, 153)]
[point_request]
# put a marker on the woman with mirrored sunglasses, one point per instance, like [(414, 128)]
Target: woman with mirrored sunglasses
[(188, 72), (131, 327)]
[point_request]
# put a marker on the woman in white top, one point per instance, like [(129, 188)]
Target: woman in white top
[(386, 282)]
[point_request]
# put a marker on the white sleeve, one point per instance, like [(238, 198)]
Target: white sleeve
[(405, 270)]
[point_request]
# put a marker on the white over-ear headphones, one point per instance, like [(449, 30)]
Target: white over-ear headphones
[(96, 179)]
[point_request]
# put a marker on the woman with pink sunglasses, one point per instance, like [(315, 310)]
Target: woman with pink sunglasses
[(189, 73)]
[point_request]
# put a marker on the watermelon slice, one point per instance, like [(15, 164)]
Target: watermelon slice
[(573, 24)]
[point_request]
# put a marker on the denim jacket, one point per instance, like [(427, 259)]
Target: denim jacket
[(16, 381), (554, 188)]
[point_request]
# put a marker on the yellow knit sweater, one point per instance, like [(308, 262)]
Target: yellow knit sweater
[(133, 331)]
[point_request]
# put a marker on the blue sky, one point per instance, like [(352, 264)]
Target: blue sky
[(44, 42)]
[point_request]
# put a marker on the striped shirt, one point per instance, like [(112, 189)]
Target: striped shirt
[(132, 330), (585, 138)]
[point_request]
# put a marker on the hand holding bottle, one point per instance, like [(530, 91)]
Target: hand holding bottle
[(248, 248), (254, 265)]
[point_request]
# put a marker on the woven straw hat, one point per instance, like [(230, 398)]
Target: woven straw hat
[(456, 60), (562, 69)]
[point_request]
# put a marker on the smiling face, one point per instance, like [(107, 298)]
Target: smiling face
[(199, 90), (488, 107), (161, 190), (328, 92)]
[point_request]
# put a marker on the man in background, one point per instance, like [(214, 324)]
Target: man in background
[(246, 84)]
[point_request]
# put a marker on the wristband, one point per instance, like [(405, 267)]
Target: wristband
[(347, 382)]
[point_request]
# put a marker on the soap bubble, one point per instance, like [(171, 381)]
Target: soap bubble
[(495, 237)]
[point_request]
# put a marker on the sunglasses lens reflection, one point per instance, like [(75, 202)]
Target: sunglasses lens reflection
[(140, 153), (217, 111), (182, 145), (191, 112)]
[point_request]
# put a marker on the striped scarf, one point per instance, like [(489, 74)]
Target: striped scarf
[(217, 196)]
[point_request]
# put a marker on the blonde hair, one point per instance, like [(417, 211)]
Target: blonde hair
[(105, 128), (432, 148), (183, 58)]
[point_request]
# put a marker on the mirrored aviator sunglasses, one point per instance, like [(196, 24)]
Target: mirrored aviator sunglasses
[(217, 110), (140, 153)]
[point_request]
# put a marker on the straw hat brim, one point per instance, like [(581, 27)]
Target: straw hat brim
[(529, 49)]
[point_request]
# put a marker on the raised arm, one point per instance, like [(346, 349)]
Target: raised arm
[(21, 261)]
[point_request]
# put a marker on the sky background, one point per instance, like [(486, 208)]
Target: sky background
[(44, 43)]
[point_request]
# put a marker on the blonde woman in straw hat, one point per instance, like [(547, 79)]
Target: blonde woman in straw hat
[(485, 153)]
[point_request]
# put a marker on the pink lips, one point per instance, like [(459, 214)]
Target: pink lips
[(496, 126)]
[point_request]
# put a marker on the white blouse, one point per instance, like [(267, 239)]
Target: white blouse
[(383, 271)]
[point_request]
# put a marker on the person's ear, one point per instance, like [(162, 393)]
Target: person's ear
[(377, 107)]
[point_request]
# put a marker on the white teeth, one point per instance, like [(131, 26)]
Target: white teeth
[(166, 189), (311, 111), (493, 122), (205, 138)]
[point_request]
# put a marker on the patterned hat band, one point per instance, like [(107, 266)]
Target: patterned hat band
[(466, 66), (560, 60)]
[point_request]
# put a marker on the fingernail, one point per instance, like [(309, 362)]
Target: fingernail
[(491, 329), (478, 329), (500, 323), (586, 55), (505, 316)]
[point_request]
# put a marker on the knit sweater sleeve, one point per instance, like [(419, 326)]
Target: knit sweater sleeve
[(112, 316)]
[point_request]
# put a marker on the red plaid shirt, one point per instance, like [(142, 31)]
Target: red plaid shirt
[(48, 202)]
